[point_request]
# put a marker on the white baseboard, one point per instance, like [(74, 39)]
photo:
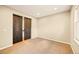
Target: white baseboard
[(77, 41), (6, 47), (73, 49)]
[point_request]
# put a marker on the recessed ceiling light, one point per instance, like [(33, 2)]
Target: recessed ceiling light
[(55, 8)]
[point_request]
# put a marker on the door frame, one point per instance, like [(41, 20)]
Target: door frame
[(23, 26)]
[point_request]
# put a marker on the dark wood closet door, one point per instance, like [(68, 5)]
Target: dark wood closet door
[(17, 28), (27, 28)]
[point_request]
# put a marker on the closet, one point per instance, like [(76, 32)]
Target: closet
[(21, 31)]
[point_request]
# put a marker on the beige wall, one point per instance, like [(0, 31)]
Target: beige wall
[(74, 44), (55, 27), (6, 26)]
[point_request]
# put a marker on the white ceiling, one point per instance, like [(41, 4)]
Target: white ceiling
[(40, 10)]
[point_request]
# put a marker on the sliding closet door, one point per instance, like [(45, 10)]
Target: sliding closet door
[(17, 28), (27, 28)]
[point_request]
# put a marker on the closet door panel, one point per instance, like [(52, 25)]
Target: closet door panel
[(17, 28), (27, 28)]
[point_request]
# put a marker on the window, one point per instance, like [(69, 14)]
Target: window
[(76, 24)]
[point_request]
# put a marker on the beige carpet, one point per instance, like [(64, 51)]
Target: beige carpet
[(38, 46)]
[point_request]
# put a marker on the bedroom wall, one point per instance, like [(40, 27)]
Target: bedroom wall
[(55, 27), (6, 26)]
